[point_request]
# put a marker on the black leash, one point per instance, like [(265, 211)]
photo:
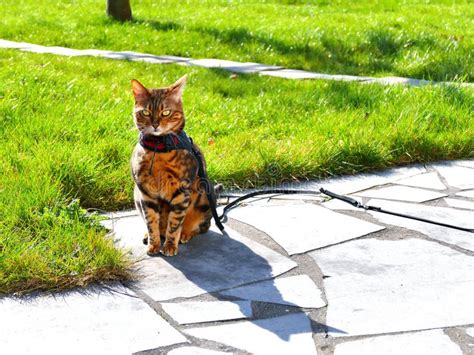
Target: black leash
[(231, 205), (343, 198), (381, 210)]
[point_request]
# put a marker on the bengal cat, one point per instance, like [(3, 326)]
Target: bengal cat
[(168, 192)]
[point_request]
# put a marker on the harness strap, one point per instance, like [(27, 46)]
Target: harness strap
[(166, 143), (208, 186)]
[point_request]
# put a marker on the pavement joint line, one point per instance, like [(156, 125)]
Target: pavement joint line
[(232, 66)]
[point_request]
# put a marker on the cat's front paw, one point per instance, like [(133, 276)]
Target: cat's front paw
[(153, 250), (169, 249)]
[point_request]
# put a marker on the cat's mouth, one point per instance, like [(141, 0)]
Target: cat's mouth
[(156, 132), (160, 131)]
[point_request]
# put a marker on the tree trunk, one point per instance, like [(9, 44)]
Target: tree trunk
[(119, 9)]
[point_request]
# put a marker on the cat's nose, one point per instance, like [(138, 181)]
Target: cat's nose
[(155, 125)]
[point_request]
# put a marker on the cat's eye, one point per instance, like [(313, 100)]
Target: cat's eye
[(166, 113), (146, 113)]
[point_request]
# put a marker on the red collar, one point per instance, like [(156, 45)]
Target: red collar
[(167, 142)]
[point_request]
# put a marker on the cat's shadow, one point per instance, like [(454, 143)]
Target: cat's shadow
[(216, 262)]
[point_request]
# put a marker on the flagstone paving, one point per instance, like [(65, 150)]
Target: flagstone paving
[(285, 225), (384, 286), (292, 275), (402, 193), (355, 183), (236, 67), (200, 312), (206, 264), (297, 290), (290, 334), (194, 350), (467, 193), (458, 203), (427, 181), (461, 218), (75, 323), (460, 177), (427, 342)]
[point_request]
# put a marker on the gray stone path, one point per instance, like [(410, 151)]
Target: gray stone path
[(427, 342), (236, 67), (293, 275)]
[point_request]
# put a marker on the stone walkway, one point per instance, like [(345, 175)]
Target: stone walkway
[(293, 275), (236, 67)]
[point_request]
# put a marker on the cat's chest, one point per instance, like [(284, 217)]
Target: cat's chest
[(163, 173)]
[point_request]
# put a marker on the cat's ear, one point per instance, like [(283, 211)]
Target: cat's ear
[(176, 90), (139, 91)]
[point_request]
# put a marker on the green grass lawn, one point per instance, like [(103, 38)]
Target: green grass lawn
[(420, 39), (65, 136)]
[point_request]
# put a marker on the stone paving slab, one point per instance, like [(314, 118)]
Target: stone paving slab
[(290, 334), (383, 286), (427, 181), (298, 197), (458, 203), (456, 176), (301, 74), (238, 67), (304, 227), (469, 163), (123, 55), (297, 290), (208, 263), (467, 193), (394, 80), (355, 183), (448, 215), (200, 312), (74, 323), (135, 57), (275, 200), (402, 193), (193, 350), (419, 343)]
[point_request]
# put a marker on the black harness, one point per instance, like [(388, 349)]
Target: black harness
[(180, 140), (166, 143)]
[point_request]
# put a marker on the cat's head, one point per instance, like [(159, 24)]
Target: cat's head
[(159, 111)]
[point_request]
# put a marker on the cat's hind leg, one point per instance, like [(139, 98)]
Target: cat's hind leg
[(198, 217)]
